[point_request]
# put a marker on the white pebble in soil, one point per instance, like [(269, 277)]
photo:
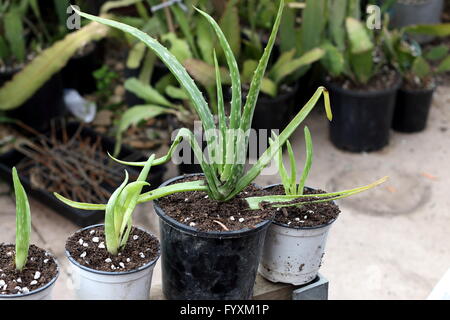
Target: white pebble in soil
[(46, 261), (186, 200), (5, 287), (113, 267), (2, 283), (192, 224), (297, 219), (85, 245), (142, 255), (108, 260), (9, 254), (95, 239), (3, 275), (310, 212), (92, 232), (122, 265), (25, 290), (33, 283), (37, 275), (101, 245), (232, 218), (135, 237), (305, 217), (19, 280), (128, 260), (81, 241), (83, 254), (241, 220)]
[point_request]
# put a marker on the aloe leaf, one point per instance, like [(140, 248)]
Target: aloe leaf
[(129, 196), (136, 55), (444, 66), (172, 64), (255, 202), (23, 223), (178, 47), (282, 169), (305, 60), (313, 24), (176, 93), (236, 100), (134, 116), (308, 161), (205, 41), (80, 205), (204, 73), (112, 223), (439, 30), (293, 177), (183, 22), (146, 92), (25, 83), (268, 155), (285, 58), (360, 41), (14, 33), (229, 23), (222, 117)]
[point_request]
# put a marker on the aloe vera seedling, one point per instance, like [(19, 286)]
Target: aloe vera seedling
[(228, 142), (23, 223), (294, 192), (119, 209)]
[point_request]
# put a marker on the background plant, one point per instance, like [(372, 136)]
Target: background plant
[(23, 223)]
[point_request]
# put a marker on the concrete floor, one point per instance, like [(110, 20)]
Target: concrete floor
[(391, 243)]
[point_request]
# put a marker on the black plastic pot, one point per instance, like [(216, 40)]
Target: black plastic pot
[(208, 265), (412, 109), (78, 74), (79, 217), (361, 120), (46, 104)]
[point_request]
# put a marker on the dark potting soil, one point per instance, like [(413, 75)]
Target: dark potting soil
[(197, 210), (88, 248), (40, 269), (309, 214), (385, 79)]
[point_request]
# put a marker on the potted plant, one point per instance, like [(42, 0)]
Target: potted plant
[(419, 69), (362, 84), (296, 239), (26, 272), (114, 261), (214, 254)]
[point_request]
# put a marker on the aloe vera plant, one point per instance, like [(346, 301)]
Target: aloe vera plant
[(119, 209), (409, 58), (23, 223), (294, 192), (223, 167)]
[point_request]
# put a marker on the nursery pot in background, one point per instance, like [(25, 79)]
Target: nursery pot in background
[(43, 293), (412, 109), (361, 119), (200, 265), (411, 12), (91, 284), (293, 254), (78, 74)]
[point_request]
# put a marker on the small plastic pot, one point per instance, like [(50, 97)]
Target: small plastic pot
[(200, 265), (361, 120), (43, 293), (90, 284), (293, 254), (412, 109)]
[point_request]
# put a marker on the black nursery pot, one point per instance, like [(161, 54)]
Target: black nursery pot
[(200, 265), (412, 109), (78, 74), (361, 120), (46, 104)]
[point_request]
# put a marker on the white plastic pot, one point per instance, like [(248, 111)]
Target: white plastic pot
[(43, 293), (293, 254), (90, 284)]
